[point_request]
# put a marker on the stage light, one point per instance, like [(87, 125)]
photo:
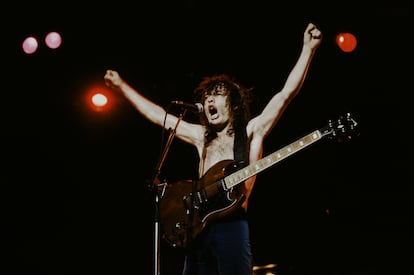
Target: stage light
[(347, 42), (30, 45), (99, 100), (53, 40)]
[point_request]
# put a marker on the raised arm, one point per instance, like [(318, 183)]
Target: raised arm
[(151, 111), (263, 123)]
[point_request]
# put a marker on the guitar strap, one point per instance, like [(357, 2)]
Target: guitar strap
[(241, 154), (240, 147)]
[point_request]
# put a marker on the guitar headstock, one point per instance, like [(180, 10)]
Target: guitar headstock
[(343, 128)]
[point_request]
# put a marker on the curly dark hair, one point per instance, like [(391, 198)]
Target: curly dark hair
[(240, 98)]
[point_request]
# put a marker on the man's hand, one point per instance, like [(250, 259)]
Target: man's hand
[(312, 36), (112, 79)]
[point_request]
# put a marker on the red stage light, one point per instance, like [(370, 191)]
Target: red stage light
[(346, 42)]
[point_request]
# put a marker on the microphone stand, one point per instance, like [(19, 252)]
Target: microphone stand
[(158, 189)]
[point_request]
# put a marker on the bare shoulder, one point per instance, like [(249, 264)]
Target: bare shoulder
[(191, 133)]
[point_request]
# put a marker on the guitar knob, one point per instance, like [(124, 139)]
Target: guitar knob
[(180, 225), (177, 228)]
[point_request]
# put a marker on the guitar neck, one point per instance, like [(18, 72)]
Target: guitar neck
[(271, 159)]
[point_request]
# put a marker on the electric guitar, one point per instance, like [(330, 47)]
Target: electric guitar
[(188, 206)]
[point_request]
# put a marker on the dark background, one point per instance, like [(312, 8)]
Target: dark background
[(74, 194)]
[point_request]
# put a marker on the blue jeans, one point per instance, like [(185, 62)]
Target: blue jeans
[(224, 249)]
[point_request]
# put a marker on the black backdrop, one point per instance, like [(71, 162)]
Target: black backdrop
[(74, 183)]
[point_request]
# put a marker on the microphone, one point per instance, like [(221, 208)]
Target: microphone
[(195, 107)]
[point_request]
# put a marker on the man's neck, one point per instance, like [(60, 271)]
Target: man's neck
[(225, 131)]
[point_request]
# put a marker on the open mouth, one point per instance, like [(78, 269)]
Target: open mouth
[(213, 112)]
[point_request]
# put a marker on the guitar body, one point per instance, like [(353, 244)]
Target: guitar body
[(188, 206)]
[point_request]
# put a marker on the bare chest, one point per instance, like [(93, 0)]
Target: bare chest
[(218, 150)]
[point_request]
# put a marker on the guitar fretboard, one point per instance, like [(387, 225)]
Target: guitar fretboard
[(271, 159)]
